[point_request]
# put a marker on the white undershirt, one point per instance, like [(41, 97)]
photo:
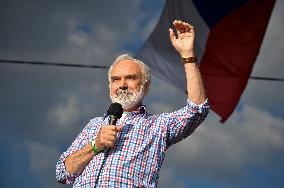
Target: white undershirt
[(123, 117)]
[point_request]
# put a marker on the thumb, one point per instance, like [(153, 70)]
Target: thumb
[(172, 35), (119, 128)]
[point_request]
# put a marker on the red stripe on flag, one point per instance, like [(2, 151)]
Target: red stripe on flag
[(231, 50)]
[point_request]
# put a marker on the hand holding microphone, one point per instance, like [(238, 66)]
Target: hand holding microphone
[(107, 137), (108, 133)]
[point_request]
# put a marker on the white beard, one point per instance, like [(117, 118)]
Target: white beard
[(127, 98)]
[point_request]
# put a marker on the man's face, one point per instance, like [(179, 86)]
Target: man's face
[(126, 84)]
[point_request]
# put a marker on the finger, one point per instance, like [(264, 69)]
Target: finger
[(182, 26), (172, 34), (110, 138), (108, 144), (183, 35), (175, 22), (191, 28), (179, 24), (107, 139), (109, 128), (111, 133), (180, 30), (187, 25)]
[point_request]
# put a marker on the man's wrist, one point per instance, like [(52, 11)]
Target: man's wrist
[(187, 54)]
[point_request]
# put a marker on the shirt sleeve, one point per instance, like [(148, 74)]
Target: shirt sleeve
[(62, 175), (182, 123)]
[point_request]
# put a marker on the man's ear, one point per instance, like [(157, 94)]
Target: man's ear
[(146, 88)]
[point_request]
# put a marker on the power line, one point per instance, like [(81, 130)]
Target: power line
[(52, 64), (266, 78), (100, 67)]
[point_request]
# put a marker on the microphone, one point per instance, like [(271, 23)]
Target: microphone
[(114, 111)]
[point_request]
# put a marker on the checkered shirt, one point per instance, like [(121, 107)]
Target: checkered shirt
[(139, 151)]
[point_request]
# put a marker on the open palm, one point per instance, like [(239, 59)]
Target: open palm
[(184, 41)]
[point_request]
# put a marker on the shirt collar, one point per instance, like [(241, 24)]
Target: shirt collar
[(141, 110)]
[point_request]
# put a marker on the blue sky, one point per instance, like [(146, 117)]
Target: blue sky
[(42, 109)]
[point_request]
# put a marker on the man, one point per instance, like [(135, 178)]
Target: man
[(139, 141)]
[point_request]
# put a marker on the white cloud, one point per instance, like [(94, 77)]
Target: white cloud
[(42, 161), (65, 113), (79, 38), (41, 156), (248, 138), (168, 179)]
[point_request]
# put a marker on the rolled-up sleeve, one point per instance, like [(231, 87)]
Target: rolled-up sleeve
[(62, 175), (182, 123)]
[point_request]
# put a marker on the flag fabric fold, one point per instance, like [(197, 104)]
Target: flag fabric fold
[(228, 38)]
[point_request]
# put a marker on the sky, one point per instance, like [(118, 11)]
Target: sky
[(43, 108)]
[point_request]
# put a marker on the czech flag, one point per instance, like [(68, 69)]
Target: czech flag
[(228, 38)]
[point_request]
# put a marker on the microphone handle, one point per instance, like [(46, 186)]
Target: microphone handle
[(112, 121)]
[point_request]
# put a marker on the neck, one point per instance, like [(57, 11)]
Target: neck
[(133, 108)]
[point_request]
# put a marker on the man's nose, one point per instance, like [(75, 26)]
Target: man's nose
[(123, 84), (123, 87)]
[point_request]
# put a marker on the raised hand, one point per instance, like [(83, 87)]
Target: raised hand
[(184, 41)]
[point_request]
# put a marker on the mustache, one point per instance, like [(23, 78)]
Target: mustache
[(124, 91)]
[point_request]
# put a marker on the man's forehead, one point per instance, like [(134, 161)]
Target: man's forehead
[(126, 67)]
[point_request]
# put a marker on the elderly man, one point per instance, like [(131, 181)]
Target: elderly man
[(139, 141)]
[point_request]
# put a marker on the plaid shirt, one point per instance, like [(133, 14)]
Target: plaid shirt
[(139, 151)]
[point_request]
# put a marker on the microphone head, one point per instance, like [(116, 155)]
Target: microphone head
[(115, 109)]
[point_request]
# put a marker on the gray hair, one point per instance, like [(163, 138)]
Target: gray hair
[(146, 76)]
